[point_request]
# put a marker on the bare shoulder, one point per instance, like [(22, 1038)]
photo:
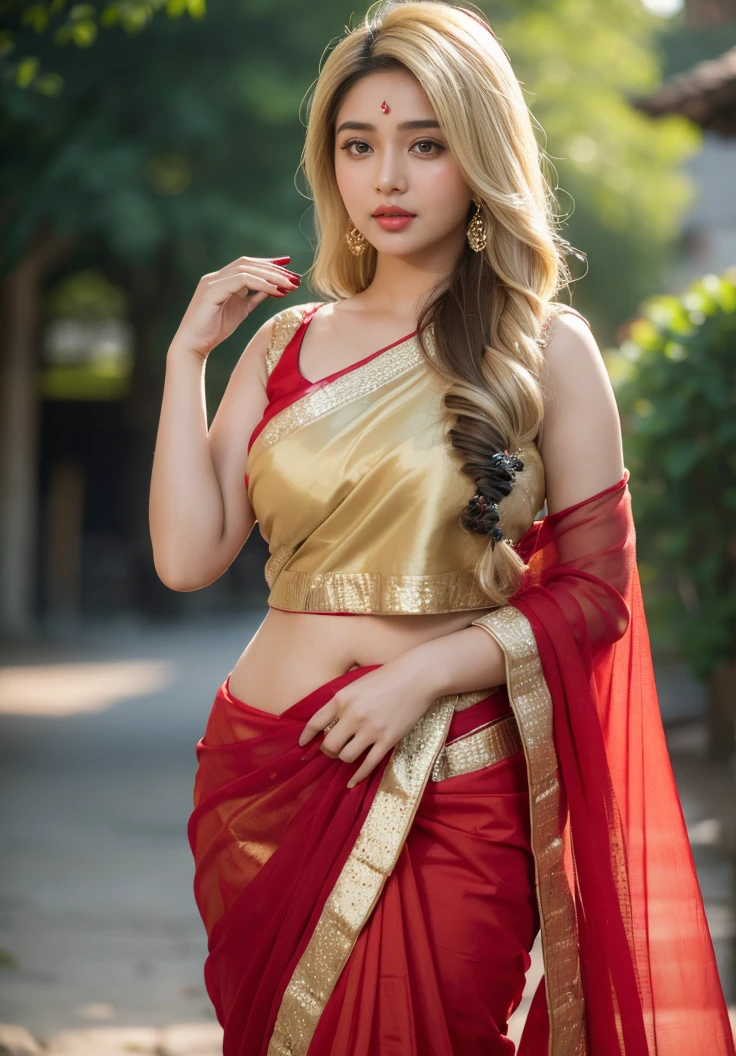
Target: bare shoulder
[(555, 310), (245, 397), (250, 375), (253, 359), (580, 442), (562, 326), (571, 352)]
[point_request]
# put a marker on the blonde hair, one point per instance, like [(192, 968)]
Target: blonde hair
[(487, 314)]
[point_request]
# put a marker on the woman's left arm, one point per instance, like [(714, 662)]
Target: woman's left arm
[(582, 453)]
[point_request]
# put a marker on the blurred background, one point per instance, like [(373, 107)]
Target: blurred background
[(145, 143)]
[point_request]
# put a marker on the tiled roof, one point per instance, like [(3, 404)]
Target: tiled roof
[(706, 94)]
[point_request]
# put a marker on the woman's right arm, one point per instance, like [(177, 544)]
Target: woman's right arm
[(199, 513)]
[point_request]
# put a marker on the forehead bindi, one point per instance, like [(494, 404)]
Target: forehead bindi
[(386, 102)]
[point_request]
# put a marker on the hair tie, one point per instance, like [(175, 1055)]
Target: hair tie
[(511, 463), (479, 505)]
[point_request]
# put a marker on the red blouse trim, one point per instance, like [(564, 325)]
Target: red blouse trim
[(286, 383)]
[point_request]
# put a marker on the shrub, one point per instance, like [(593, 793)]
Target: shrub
[(675, 382)]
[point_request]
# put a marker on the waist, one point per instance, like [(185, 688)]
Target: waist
[(291, 652), (366, 638)]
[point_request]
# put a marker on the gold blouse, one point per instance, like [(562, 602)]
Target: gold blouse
[(357, 490)]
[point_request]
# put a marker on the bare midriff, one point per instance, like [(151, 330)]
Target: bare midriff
[(292, 653)]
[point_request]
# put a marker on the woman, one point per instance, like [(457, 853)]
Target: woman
[(389, 807)]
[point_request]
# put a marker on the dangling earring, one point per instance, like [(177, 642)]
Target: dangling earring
[(476, 230), (357, 243)]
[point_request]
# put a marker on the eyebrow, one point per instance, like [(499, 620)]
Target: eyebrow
[(405, 126)]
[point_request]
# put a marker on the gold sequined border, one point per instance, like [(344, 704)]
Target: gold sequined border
[(275, 563), (372, 591), (285, 325), (466, 700), (555, 309), (478, 749), (356, 383), (531, 702), (361, 879)]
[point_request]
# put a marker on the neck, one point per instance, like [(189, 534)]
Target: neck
[(402, 283)]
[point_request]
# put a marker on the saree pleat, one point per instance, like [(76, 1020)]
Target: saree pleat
[(391, 918), (440, 967)]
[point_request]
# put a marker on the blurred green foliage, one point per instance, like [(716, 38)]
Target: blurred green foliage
[(675, 381), (580, 62), (76, 24), (172, 152)]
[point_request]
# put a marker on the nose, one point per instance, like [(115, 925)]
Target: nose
[(390, 176)]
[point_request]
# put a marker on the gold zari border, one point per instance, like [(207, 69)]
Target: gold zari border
[(466, 700), (531, 702), (357, 382), (478, 749), (370, 591), (285, 325), (361, 879)]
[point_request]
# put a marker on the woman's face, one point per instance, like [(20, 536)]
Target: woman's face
[(380, 164)]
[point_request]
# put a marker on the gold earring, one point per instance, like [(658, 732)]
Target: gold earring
[(476, 230), (357, 243)]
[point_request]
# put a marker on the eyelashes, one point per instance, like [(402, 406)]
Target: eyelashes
[(425, 154)]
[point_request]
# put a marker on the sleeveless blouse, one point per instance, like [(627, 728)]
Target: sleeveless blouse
[(357, 490)]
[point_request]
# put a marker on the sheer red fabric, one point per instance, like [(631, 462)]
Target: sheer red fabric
[(439, 965), (271, 836), (647, 962)]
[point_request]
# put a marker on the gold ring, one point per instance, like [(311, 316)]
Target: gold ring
[(329, 725)]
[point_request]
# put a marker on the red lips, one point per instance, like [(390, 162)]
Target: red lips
[(391, 210)]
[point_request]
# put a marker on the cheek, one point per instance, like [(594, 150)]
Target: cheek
[(442, 185), (350, 179)]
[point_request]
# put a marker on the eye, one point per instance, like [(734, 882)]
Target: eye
[(354, 142), (431, 143), (420, 142)]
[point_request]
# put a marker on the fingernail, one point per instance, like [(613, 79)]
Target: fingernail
[(278, 260)]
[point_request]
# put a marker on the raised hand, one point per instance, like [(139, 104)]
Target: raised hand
[(223, 299)]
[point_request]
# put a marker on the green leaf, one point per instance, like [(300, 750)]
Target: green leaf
[(84, 34), (25, 72)]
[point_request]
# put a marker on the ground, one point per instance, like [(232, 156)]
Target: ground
[(101, 947)]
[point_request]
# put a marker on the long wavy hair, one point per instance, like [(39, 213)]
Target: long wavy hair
[(487, 313)]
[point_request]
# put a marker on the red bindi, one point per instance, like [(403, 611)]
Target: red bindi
[(384, 106)]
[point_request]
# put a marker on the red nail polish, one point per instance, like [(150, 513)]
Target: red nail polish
[(278, 260)]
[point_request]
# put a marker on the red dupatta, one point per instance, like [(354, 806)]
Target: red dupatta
[(290, 863), (639, 977)]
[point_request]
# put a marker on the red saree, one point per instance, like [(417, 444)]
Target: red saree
[(397, 917)]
